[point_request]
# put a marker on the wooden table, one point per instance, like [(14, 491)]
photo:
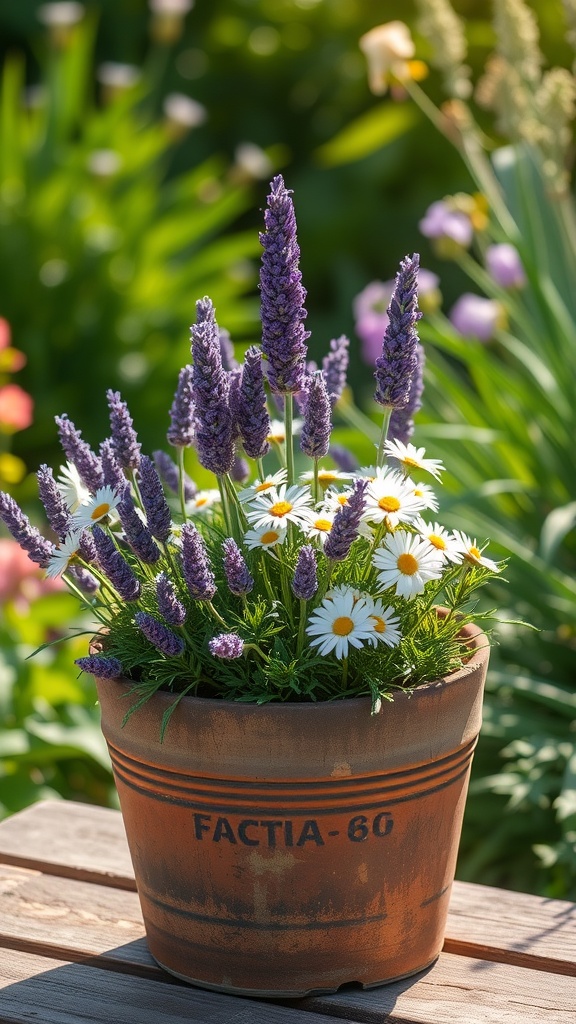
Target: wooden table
[(72, 948)]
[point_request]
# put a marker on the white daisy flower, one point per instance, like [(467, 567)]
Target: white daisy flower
[(386, 627), (444, 542), (277, 433), (413, 458), (339, 623), (326, 477), (372, 473), (333, 499), (472, 553), (319, 525), (100, 505), (391, 499), (73, 491), (281, 506), (407, 561), (202, 501), (261, 486), (341, 589), (425, 493), (265, 537), (63, 555)]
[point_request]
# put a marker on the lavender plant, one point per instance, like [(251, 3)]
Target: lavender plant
[(305, 584)]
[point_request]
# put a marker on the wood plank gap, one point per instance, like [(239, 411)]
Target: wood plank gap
[(66, 871), (101, 961), (509, 956)]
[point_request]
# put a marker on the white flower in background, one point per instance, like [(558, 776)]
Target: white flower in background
[(118, 76), (70, 485), (326, 477), (413, 458), (252, 161), (63, 555), (439, 537), (184, 112), (62, 14), (341, 589), (340, 622), (202, 501), (427, 496), (277, 433), (472, 553), (281, 506), (334, 500), (391, 499), (269, 482), (98, 507), (388, 49), (265, 537), (407, 562), (319, 525), (386, 624)]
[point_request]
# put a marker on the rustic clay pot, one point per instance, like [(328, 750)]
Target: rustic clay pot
[(288, 849)]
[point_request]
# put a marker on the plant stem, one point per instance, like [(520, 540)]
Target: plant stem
[(181, 482), (301, 629), (288, 441), (385, 424), (357, 419), (225, 506), (344, 673), (216, 614)]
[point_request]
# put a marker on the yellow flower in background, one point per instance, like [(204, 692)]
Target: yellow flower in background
[(389, 50), (12, 469)]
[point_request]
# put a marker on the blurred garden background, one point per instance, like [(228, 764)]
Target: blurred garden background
[(137, 141)]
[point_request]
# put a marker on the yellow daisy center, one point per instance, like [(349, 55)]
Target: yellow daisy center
[(269, 537), (200, 502), (323, 524), (379, 624), (264, 486), (100, 510), (437, 542), (281, 508), (407, 564), (407, 461), (389, 504), (343, 625), (342, 499), (325, 475), (417, 493), (475, 552)]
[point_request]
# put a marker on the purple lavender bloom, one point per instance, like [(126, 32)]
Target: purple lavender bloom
[(170, 608), (136, 531), (282, 295), (163, 639), (442, 221), (344, 459), (315, 439), (181, 430), (57, 511), (229, 362), (238, 577), (252, 412), (401, 425), (115, 566), (398, 362), (305, 579), (38, 549), (156, 507), (111, 468), (99, 666), (84, 579), (473, 316), (168, 472), (215, 431), (80, 453), (195, 565), (371, 310), (505, 266), (234, 385), (240, 470), (335, 367), (345, 527), (124, 437), (226, 645), (87, 547)]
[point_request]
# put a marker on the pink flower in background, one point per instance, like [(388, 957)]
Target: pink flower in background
[(370, 310), (442, 221), (505, 266), (16, 408), (5, 334), (21, 580), (476, 317)]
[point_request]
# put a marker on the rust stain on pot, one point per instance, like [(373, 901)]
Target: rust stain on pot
[(340, 771), (362, 874), (275, 864)]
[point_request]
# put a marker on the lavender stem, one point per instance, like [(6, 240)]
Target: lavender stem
[(385, 425)]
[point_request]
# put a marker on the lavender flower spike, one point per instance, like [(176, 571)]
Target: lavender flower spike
[(39, 549), (168, 472), (111, 468), (84, 579), (80, 454), (155, 505), (99, 666), (315, 439), (238, 577), (305, 579), (397, 365), (115, 566), (170, 608), (124, 437), (335, 367), (226, 645), (345, 527), (214, 424), (344, 459), (181, 430), (401, 422), (282, 295), (57, 511), (136, 531), (163, 639), (195, 565), (252, 412)]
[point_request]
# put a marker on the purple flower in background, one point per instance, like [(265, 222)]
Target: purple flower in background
[(115, 566), (238, 576), (38, 549), (57, 511), (234, 384), (335, 367), (344, 459), (253, 418), (136, 531), (474, 316), (282, 294), (315, 439), (226, 645), (99, 666), (195, 565), (168, 472), (229, 362), (213, 418), (170, 607), (441, 220), (401, 425), (181, 430), (505, 266), (84, 579), (305, 579), (124, 437), (346, 524), (163, 639), (80, 454), (240, 470), (111, 468), (370, 309), (156, 507), (398, 362)]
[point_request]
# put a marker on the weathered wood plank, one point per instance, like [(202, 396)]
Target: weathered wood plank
[(37, 989)]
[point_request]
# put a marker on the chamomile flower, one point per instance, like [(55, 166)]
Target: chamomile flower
[(342, 589), (281, 506), (472, 553), (277, 434), (202, 501), (266, 537), (339, 623), (411, 458), (445, 543), (326, 477), (100, 505), (333, 499), (261, 486), (319, 525), (407, 562), (63, 555), (391, 499), (73, 491), (386, 628), (426, 495)]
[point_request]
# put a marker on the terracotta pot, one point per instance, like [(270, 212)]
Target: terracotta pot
[(288, 849)]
